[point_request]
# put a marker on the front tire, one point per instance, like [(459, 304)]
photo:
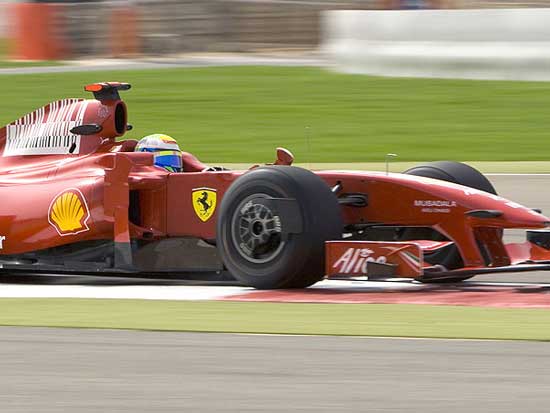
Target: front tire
[(456, 172), (273, 224)]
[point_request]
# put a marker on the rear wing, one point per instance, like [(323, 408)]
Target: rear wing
[(57, 128), (46, 131)]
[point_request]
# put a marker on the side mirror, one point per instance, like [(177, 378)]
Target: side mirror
[(284, 157), (90, 129)]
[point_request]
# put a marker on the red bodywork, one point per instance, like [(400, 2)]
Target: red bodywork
[(60, 188)]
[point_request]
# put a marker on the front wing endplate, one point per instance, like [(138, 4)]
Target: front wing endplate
[(351, 259)]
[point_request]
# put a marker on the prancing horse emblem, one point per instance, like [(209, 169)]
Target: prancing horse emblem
[(204, 202)]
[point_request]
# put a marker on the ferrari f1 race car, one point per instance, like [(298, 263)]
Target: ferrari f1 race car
[(76, 199)]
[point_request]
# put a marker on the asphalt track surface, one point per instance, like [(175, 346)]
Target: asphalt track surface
[(53, 370)]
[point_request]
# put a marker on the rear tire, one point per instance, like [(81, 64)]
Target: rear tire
[(265, 249)]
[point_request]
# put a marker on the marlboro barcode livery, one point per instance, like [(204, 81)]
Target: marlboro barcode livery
[(76, 199), (46, 131)]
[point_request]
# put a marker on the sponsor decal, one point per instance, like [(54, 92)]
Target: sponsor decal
[(204, 202), (352, 258), (103, 112), (69, 213), (434, 205), (2, 239), (47, 131), (354, 261)]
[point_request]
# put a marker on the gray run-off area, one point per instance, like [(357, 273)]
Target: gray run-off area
[(53, 370), (531, 190), (527, 190)]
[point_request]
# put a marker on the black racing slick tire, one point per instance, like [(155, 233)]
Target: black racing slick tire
[(273, 224), (458, 173)]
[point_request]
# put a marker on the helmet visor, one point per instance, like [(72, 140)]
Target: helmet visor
[(169, 160)]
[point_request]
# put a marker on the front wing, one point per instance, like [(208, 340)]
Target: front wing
[(375, 260)]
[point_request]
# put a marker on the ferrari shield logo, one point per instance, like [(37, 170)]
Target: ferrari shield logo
[(204, 202)]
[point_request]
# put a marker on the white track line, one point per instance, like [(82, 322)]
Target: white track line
[(136, 292), (199, 293), (171, 292)]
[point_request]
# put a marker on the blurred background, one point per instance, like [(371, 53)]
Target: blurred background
[(57, 30)]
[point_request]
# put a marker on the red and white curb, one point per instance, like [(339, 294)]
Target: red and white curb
[(478, 295)]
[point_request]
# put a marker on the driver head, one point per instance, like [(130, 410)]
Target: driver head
[(165, 149)]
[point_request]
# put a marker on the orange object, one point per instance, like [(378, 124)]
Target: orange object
[(37, 31), (124, 32), (95, 87)]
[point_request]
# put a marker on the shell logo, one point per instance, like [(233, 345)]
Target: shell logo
[(69, 213)]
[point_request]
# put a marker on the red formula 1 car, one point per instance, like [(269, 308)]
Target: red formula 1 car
[(74, 199)]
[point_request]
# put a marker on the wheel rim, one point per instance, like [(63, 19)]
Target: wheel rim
[(256, 231)]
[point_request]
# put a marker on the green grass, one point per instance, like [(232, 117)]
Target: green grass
[(240, 114), (4, 46), (9, 64), (277, 318)]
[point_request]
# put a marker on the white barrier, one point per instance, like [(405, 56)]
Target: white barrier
[(511, 44)]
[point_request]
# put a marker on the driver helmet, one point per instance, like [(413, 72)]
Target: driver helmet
[(165, 149)]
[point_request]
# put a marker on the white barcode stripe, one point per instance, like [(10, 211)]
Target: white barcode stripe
[(50, 110), (58, 110), (65, 113), (46, 130)]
